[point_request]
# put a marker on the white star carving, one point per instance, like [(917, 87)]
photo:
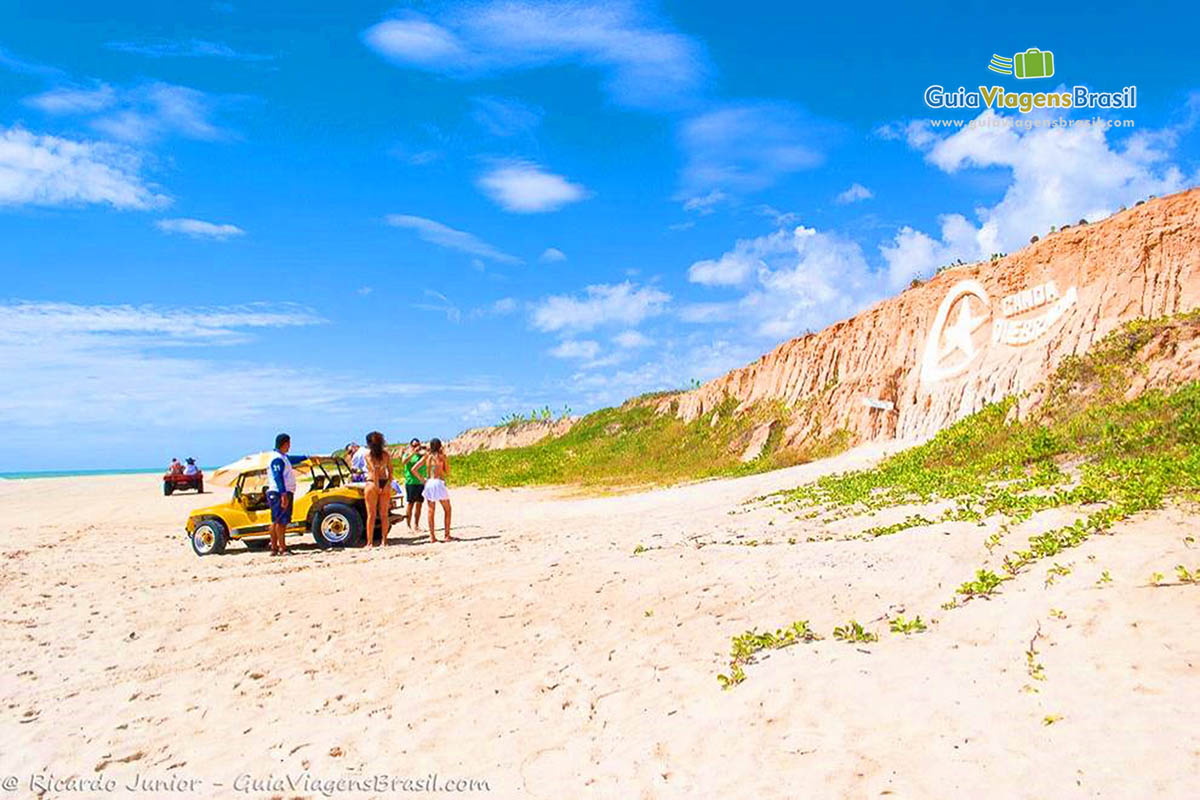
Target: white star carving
[(958, 335)]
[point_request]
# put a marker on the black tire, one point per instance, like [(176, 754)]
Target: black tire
[(200, 487), (210, 537), (256, 543), (168, 487), (337, 525)]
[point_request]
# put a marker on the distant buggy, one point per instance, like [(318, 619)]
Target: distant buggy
[(178, 482)]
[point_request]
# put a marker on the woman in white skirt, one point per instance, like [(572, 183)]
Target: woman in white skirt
[(438, 467)]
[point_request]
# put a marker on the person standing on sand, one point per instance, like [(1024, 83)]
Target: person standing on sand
[(356, 459), (414, 483), (438, 467), (281, 491), (378, 492)]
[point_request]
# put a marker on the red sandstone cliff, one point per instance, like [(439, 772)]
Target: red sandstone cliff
[(499, 437), (1001, 327)]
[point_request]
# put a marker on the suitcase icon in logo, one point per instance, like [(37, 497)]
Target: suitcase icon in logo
[(1033, 63)]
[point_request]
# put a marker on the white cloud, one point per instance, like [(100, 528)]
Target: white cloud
[(708, 312), (631, 340), (442, 304), (505, 305), (185, 48), (706, 203), (138, 114), (854, 193), (110, 376), (199, 229), (917, 133), (644, 64), (1059, 175), (584, 349), (35, 322), (796, 280), (525, 188), (504, 116), (159, 110), (415, 157), (781, 219), (51, 171), (551, 255), (444, 236), (735, 266), (69, 100), (10, 61), (674, 365), (746, 147), (416, 42), (602, 304)]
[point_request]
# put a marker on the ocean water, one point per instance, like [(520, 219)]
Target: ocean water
[(76, 473)]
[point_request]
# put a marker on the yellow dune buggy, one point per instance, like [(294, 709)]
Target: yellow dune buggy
[(327, 505)]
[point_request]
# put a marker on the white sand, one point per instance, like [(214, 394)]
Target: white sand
[(543, 656)]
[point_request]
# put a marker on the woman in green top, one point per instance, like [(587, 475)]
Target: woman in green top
[(414, 485)]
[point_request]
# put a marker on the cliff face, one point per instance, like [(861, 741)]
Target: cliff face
[(917, 362), (517, 435)]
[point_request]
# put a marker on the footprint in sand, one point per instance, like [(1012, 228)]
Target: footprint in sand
[(104, 762)]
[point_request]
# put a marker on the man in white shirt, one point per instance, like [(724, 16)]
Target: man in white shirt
[(281, 491), (191, 468), (357, 457)]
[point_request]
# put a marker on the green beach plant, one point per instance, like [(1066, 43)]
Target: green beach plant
[(746, 647), (853, 632), (986, 582), (907, 626)]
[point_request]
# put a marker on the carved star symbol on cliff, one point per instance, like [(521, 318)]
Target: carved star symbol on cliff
[(958, 335)]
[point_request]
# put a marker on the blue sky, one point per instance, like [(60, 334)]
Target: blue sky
[(220, 220)]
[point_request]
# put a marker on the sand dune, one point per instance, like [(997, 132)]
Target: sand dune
[(541, 655)]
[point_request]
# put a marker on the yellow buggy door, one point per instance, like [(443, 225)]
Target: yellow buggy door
[(251, 515)]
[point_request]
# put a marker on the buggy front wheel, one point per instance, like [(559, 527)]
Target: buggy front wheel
[(209, 537), (337, 525)]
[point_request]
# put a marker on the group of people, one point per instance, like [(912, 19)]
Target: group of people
[(175, 468), (425, 472)]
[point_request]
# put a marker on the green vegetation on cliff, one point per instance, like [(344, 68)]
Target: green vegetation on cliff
[(635, 445)]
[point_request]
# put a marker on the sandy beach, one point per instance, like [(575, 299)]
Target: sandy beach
[(543, 656)]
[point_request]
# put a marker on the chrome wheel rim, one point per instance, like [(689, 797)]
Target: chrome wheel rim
[(335, 528), (204, 539)]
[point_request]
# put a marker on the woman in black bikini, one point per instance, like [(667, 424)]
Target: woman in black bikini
[(378, 492)]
